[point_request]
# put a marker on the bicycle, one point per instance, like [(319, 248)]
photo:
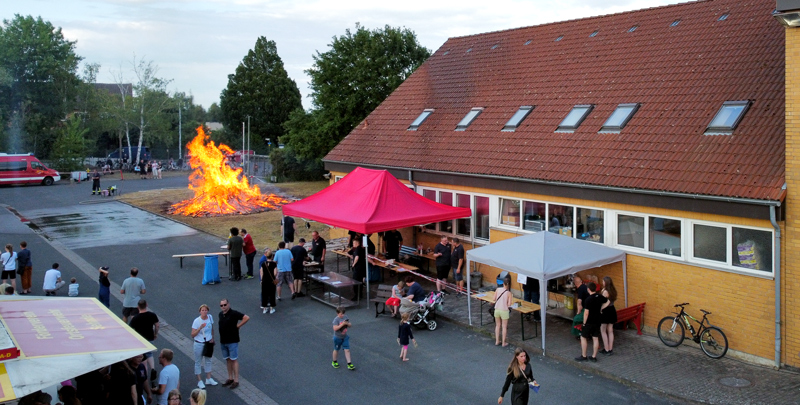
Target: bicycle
[(711, 339)]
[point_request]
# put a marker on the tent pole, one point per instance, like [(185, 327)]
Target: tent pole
[(543, 296), (469, 296), (365, 245)]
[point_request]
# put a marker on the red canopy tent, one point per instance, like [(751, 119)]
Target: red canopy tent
[(368, 201)]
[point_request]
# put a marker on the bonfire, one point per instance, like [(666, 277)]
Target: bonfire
[(220, 189)]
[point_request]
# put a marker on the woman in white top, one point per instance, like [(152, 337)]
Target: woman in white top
[(9, 261), (202, 332)]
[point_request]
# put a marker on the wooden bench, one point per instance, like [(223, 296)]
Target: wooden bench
[(225, 254), (384, 293), (632, 313)]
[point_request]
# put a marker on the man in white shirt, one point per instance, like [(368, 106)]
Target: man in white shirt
[(52, 281)]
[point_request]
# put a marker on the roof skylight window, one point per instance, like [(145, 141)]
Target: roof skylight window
[(528, 42), (675, 23), (723, 17), (471, 115), (620, 117), (728, 117), (469, 50), (559, 38), (631, 29), (573, 120), (517, 118), (422, 117), (593, 34), (446, 52), (495, 46)]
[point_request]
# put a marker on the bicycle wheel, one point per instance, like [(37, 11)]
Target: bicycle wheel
[(670, 331), (714, 342)]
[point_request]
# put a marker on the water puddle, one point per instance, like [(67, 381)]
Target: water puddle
[(104, 225)]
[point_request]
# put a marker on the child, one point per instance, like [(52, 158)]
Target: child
[(397, 294), (73, 287), (403, 335), (340, 338)]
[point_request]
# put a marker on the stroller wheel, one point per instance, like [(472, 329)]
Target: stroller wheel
[(432, 325)]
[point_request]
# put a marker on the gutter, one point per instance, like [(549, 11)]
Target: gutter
[(777, 254), (738, 200), (411, 180)]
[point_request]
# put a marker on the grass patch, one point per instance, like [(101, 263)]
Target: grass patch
[(264, 227)]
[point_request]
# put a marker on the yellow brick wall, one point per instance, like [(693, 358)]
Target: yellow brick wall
[(791, 236)]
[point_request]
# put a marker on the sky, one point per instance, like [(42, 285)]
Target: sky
[(198, 43)]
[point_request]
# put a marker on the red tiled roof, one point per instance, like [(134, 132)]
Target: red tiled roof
[(681, 76)]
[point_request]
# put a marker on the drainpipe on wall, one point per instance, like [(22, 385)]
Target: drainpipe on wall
[(777, 248)]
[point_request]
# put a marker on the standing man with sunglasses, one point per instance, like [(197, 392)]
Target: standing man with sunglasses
[(230, 321)]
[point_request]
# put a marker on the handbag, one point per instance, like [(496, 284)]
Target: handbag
[(491, 309), (208, 349)]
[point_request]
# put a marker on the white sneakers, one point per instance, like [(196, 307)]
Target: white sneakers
[(271, 310), (211, 381), (263, 310), (200, 384)]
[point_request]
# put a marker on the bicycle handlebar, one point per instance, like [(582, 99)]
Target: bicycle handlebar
[(681, 305)]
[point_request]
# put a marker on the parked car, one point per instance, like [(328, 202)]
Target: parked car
[(25, 169)]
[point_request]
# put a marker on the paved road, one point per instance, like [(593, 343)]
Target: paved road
[(285, 357)]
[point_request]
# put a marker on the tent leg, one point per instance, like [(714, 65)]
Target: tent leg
[(543, 297), (365, 245)]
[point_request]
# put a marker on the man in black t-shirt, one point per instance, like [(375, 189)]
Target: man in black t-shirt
[(582, 294), (146, 324), (457, 263), (442, 254), (229, 322), (392, 241), (299, 254), (591, 323), (318, 248), (288, 227)]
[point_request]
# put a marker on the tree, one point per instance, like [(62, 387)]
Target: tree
[(42, 66), (350, 80), (214, 113), (148, 104), (262, 90), (69, 149)]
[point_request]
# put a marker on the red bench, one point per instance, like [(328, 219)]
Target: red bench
[(632, 313)]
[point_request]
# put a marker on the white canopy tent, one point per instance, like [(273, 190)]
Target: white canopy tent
[(545, 256)]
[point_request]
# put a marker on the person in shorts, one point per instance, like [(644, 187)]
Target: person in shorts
[(341, 340), (591, 323), (230, 321), (9, 262), (132, 288), (457, 263), (284, 259), (288, 228), (442, 254)]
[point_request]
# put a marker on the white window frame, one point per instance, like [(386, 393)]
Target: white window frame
[(473, 217), (646, 248), (728, 265)]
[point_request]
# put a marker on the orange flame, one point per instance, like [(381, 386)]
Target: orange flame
[(218, 188)]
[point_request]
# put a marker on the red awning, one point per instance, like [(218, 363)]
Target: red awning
[(369, 201)]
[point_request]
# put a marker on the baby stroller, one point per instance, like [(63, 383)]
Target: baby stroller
[(426, 315)]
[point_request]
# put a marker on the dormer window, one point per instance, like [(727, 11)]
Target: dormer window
[(517, 118), (727, 118), (573, 120), (620, 117), (471, 115), (422, 117)]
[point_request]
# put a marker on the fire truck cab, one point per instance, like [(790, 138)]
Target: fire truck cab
[(25, 169)]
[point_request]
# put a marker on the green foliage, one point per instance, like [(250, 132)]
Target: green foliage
[(350, 80), (261, 89), (288, 166), (214, 113), (42, 66), (69, 148)]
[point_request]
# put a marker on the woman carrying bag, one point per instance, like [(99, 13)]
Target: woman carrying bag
[(520, 378), (203, 335), (501, 307)]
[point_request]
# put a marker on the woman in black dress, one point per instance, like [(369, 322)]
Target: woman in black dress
[(519, 377), (267, 282), (608, 316)]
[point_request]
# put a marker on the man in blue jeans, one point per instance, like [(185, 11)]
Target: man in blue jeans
[(229, 322)]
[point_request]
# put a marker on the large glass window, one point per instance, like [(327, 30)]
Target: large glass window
[(509, 212), (560, 219), (665, 236), (752, 249), (534, 215), (630, 231), (446, 198), (463, 224), (481, 217), (431, 195), (709, 242), (590, 225)]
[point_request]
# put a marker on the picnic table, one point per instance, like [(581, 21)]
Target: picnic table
[(521, 306), (330, 281)]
